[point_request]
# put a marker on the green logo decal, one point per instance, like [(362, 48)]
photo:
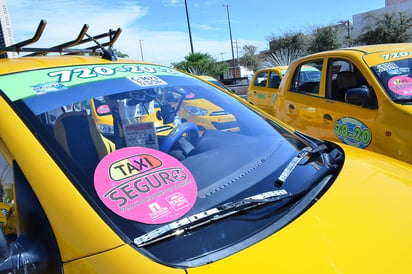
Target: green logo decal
[(353, 132)]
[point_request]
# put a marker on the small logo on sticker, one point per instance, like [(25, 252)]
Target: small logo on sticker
[(132, 166), (147, 80), (48, 87)]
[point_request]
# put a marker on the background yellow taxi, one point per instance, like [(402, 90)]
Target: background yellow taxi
[(362, 97), (215, 82), (264, 86)]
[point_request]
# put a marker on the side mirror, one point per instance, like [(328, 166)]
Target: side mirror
[(358, 96)]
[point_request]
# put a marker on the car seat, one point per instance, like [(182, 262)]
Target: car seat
[(345, 80), (77, 133)]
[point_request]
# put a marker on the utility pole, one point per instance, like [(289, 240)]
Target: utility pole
[(237, 52), (141, 49), (231, 41), (188, 26)]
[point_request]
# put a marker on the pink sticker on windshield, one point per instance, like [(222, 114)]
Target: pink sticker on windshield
[(401, 85), (190, 95), (103, 109), (145, 185)]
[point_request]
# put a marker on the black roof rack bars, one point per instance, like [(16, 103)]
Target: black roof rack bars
[(67, 47), (17, 47), (59, 48)]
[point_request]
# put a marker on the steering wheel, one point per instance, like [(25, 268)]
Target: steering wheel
[(187, 127)]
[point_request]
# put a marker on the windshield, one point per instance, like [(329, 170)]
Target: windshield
[(149, 146), (396, 79)]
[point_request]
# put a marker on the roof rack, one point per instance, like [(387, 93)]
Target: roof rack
[(105, 49)]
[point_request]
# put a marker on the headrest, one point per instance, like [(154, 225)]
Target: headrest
[(346, 79)]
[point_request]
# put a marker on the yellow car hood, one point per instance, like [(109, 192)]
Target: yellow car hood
[(362, 224)]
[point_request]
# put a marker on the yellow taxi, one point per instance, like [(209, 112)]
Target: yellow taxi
[(215, 82), (199, 200), (263, 88), (362, 97)]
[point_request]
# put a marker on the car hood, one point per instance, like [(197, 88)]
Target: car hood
[(362, 224)]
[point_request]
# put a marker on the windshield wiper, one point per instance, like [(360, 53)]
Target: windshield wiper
[(231, 208), (305, 152), (211, 215)]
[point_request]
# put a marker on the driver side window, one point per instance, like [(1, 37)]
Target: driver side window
[(343, 76), (307, 77), (261, 79)]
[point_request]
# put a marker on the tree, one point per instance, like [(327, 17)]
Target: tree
[(250, 59), (282, 57), (295, 41), (286, 48), (392, 27), (324, 38), (119, 54), (201, 64)]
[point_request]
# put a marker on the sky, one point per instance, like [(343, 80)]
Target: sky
[(157, 30)]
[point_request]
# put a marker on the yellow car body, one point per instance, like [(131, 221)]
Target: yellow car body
[(363, 98), (263, 88), (262, 199)]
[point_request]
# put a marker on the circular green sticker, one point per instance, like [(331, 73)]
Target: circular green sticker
[(353, 132)]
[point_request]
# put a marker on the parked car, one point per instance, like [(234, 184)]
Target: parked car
[(260, 199), (263, 87), (362, 98), (216, 82)]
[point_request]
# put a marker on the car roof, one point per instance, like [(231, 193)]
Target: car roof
[(366, 49), (370, 54), (276, 68)]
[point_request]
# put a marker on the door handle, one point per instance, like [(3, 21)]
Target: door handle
[(292, 107), (327, 117)]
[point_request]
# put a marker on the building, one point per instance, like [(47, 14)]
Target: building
[(6, 31), (361, 19)]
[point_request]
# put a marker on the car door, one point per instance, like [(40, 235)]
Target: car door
[(256, 92), (339, 119), (263, 88), (297, 105)]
